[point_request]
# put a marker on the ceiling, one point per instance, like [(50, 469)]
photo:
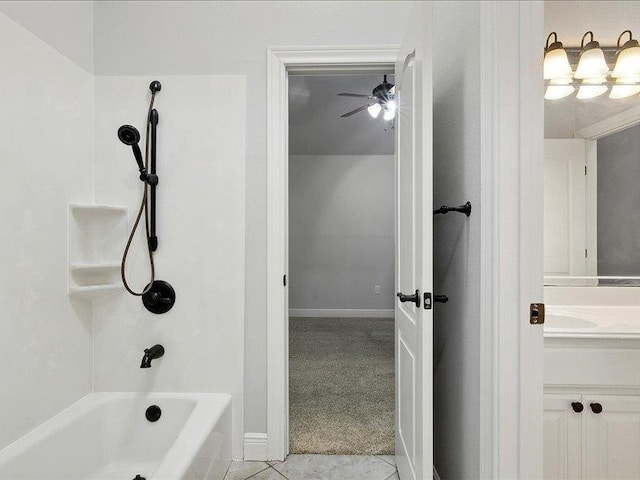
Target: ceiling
[(315, 126)]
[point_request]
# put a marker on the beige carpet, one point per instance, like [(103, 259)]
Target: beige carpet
[(341, 390)]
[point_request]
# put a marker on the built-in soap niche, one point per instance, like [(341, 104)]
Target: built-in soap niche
[(96, 236)]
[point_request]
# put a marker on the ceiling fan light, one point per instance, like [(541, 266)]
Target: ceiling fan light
[(374, 110), (391, 105), (389, 114)]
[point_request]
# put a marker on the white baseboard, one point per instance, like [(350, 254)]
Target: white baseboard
[(435, 474), (348, 313), (255, 446)]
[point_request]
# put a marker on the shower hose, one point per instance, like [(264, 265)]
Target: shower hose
[(143, 209)]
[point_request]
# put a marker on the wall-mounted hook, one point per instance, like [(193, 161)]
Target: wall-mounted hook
[(466, 209)]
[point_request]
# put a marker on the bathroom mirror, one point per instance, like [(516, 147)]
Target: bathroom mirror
[(592, 191)]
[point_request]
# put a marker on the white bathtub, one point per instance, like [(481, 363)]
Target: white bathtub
[(106, 436)]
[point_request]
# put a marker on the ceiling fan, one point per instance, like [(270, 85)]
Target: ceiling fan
[(381, 100)]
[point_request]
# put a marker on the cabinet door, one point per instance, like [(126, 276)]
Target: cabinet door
[(612, 437), (562, 437)]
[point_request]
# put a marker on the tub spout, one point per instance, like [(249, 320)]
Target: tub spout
[(151, 354)]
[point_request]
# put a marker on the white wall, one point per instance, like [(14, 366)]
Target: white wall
[(456, 111), (341, 232), (64, 25), (186, 38), (201, 194), (46, 125)]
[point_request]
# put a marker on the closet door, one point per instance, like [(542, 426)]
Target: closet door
[(612, 437)]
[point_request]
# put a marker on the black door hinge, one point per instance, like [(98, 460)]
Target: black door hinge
[(284, 280)]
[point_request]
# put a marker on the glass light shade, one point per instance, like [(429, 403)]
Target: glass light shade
[(592, 64), (592, 88), (559, 88), (374, 110), (626, 90), (389, 114), (628, 63), (391, 105), (556, 64)]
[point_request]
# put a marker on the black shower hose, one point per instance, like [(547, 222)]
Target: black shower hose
[(143, 208)]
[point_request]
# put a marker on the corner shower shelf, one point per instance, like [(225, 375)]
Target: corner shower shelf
[(96, 233)]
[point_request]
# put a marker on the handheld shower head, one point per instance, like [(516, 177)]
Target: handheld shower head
[(130, 135)]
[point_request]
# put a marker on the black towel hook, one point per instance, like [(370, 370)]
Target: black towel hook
[(466, 209)]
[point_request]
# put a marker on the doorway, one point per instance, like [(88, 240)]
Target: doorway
[(341, 263)]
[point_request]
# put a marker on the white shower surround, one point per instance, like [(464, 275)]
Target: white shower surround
[(106, 436), (200, 202)]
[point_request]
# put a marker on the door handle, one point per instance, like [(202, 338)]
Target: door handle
[(578, 407), (415, 298), (596, 408)]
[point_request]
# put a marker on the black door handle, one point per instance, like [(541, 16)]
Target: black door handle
[(415, 298), (577, 407)]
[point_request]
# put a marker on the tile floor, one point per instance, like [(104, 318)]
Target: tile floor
[(318, 467)]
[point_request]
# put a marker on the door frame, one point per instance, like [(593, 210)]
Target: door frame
[(511, 270), (511, 156), (279, 62)]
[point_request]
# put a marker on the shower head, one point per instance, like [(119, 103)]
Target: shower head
[(130, 135)]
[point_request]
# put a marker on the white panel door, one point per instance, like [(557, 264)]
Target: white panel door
[(414, 252), (564, 207), (562, 437), (612, 437)]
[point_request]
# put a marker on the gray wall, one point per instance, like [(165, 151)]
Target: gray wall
[(456, 136), (341, 231), (619, 203), (65, 26), (232, 37)]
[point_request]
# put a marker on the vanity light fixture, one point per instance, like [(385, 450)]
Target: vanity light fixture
[(592, 65), (627, 68), (597, 68), (556, 62), (559, 88), (592, 69), (628, 58)]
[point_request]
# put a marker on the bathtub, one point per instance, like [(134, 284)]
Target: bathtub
[(107, 436)]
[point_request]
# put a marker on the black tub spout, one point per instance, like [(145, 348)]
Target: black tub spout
[(151, 354)]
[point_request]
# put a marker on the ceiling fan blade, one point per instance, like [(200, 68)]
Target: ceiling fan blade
[(353, 112), (359, 95)]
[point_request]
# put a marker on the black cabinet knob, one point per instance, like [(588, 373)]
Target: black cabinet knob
[(596, 407), (577, 407)]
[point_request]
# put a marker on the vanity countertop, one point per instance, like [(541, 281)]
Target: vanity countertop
[(608, 322)]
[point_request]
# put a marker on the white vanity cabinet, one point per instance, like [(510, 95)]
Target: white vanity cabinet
[(582, 444), (562, 437), (611, 438), (592, 407)]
